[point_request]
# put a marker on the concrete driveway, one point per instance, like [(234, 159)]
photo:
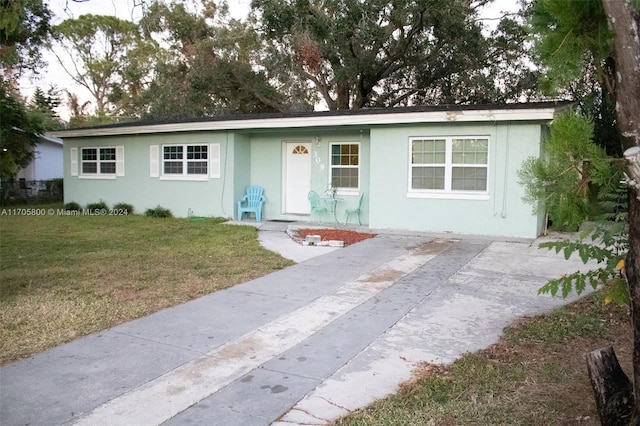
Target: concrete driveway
[(300, 346)]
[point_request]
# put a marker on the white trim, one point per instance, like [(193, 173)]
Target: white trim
[(327, 120), (449, 195), (50, 139), (73, 156), (97, 161), (348, 192), (214, 161), (119, 160), (185, 162), (98, 177), (154, 161), (195, 178), (448, 166), (345, 189)]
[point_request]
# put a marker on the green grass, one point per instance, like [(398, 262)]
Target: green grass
[(562, 325), (62, 277), (536, 375)]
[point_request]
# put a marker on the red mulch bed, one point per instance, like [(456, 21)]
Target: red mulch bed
[(349, 237)]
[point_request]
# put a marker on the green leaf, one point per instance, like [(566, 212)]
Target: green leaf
[(568, 251), (567, 285), (551, 287), (583, 253), (618, 292)]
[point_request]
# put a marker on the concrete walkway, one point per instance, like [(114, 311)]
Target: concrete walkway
[(300, 346)]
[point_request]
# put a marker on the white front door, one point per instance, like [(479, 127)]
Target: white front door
[(297, 177)]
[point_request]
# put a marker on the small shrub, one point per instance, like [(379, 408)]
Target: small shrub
[(73, 206), (123, 208), (100, 205), (158, 212)]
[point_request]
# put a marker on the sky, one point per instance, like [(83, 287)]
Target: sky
[(125, 9)]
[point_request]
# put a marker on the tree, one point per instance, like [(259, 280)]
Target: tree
[(24, 27), (573, 49), (606, 39), (18, 134), (104, 53), (45, 104), (212, 63), (381, 53), (624, 19), (569, 176)]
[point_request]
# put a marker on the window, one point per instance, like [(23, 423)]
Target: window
[(184, 160), (345, 165), (98, 161), (300, 149), (449, 165)]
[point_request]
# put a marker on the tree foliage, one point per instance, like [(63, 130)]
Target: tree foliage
[(573, 49), (212, 62), (45, 104), (607, 39), (567, 178), (380, 53), (18, 133), (24, 28), (106, 55), (290, 54), (573, 41), (606, 242)]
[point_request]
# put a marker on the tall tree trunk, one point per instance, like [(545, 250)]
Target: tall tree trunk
[(612, 388), (624, 20), (343, 95), (632, 268)]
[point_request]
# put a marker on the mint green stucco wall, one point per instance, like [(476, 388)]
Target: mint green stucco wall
[(257, 158), (239, 166), (213, 197), (503, 213), (266, 171), (267, 163)]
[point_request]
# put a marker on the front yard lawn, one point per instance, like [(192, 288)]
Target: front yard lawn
[(62, 277)]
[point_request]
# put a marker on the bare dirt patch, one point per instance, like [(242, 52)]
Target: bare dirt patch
[(349, 237)]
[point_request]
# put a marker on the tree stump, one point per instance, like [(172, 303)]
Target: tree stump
[(613, 389)]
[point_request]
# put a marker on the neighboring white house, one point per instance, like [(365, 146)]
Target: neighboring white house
[(446, 168), (47, 161)]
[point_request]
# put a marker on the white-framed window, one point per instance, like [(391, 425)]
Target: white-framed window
[(345, 165), (185, 160), (97, 162), (449, 165)]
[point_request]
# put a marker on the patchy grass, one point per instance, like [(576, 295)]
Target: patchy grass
[(62, 277), (535, 375)]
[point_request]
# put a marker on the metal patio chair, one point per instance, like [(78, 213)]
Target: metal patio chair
[(357, 211), (317, 206)]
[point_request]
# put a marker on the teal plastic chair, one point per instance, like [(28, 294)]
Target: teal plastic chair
[(252, 202), (317, 206), (357, 211)]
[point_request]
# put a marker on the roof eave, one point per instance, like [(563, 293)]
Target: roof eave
[(367, 120)]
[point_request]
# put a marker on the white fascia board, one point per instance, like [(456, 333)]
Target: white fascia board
[(51, 139), (460, 116)]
